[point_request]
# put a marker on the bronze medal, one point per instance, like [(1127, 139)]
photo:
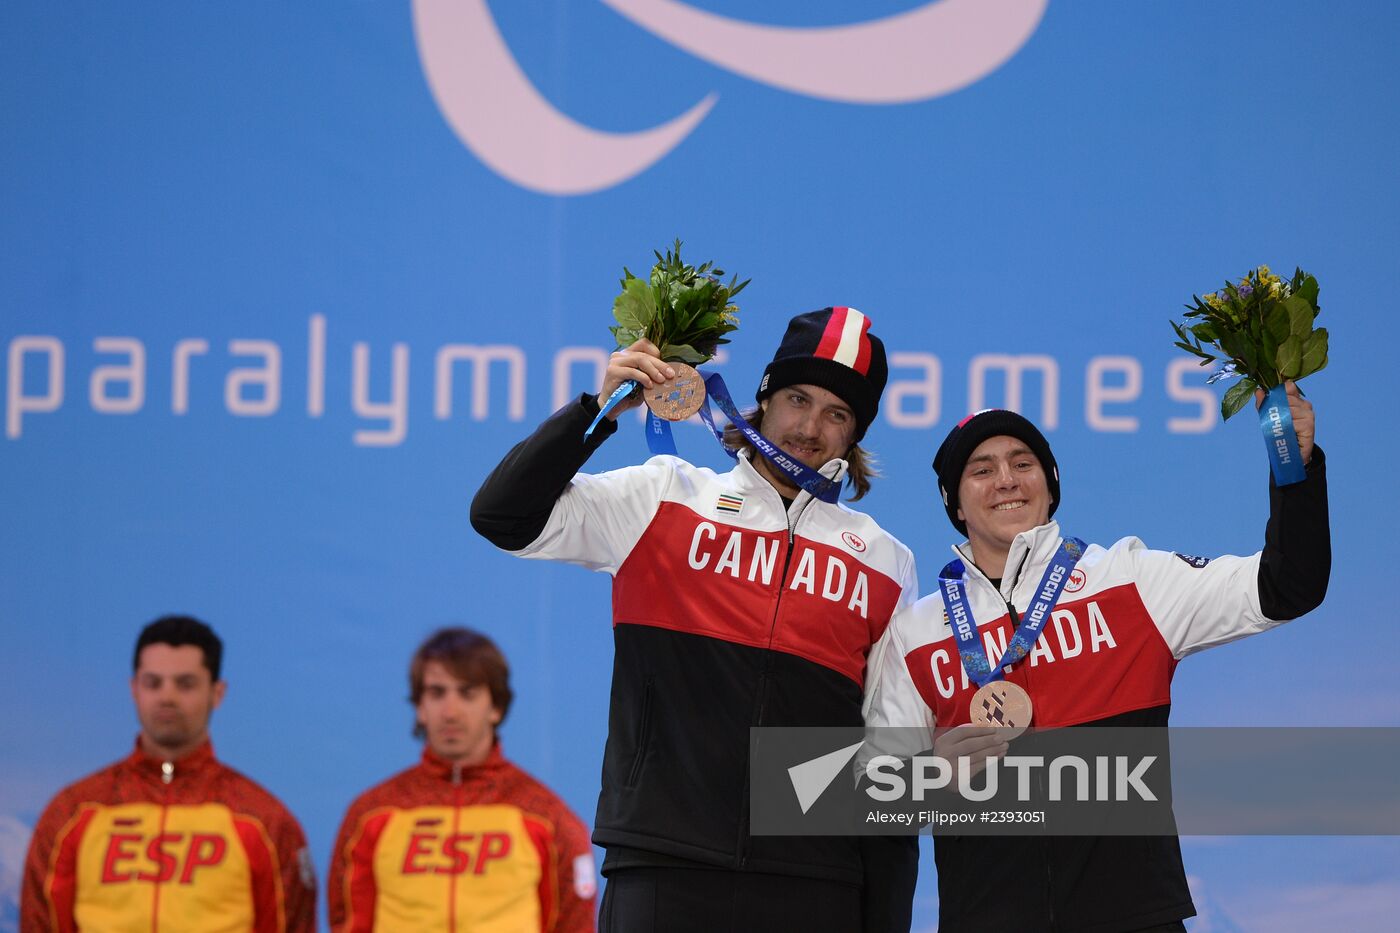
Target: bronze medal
[(1002, 705), (677, 398)]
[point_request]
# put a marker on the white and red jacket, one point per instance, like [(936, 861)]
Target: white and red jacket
[(720, 555), (730, 610), (1126, 617), (1106, 656)]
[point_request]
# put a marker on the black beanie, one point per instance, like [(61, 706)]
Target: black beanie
[(832, 349), (957, 448)]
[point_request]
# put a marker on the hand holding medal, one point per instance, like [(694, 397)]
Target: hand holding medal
[(974, 742), (679, 314), (1262, 328)]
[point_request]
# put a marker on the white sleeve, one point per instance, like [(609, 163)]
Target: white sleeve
[(1197, 603), (891, 698), (897, 722), (909, 581), (599, 517)]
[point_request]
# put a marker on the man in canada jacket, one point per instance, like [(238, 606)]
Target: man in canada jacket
[(739, 600), (1106, 656)]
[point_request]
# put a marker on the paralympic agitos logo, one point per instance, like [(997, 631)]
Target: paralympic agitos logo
[(933, 49)]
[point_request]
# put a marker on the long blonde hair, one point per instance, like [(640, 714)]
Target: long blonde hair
[(860, 469)]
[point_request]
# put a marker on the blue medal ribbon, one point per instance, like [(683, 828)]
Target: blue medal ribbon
[(618, 394), (974, 655), (660, 441), (1281, 441), (799, 473)]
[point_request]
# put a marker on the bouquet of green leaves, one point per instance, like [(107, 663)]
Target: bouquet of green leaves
[(1261, 327), (685, 310)]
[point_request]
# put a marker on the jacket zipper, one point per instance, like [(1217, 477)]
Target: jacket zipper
[(761, 698), (787, 562), (1015, 619), (1026, 673), (1010, 607), (452, 879), (167, 775)]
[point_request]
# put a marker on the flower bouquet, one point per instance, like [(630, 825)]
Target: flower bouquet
[(1261, 327), (686, 311)]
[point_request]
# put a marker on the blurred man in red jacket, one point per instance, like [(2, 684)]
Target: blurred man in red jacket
[(169, 838), (463, 840)]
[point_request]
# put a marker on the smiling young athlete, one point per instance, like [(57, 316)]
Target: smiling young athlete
[(1125, 616)]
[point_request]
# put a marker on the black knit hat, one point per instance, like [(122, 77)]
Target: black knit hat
[(832, 349), (957, 448)]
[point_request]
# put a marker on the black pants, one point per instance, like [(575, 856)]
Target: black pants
[(684, 900)]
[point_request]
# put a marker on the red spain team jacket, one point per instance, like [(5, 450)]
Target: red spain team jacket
[(486, 849), (149, 845)]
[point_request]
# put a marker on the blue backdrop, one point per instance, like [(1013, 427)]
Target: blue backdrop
[(280, 282)]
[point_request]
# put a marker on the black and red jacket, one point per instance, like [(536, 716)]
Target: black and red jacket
[(730, 610)]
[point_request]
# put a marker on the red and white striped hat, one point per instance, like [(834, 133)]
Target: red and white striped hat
[(834, 350)]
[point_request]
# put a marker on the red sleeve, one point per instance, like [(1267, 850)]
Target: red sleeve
[(578, 886), (284, 886), (567, 884), (297, 875), (350, 890), (50, 870)]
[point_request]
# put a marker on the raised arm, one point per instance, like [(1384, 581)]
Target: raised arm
[(1297, 559), (1200, 603), (512, 507)]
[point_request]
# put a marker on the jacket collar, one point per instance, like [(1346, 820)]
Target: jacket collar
[(448, 771), (750, 478), (1030, 551), (159, 767)]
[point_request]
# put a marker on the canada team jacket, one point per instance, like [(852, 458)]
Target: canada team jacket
[(729, 611), (1107, 655), (146, 845), (485, 849)]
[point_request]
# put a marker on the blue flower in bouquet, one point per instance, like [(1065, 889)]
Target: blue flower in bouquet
[(1227, 371)]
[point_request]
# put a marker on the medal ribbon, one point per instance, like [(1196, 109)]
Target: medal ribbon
[(1276, 422), (974, 655), (618, 394), (660, 441)]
